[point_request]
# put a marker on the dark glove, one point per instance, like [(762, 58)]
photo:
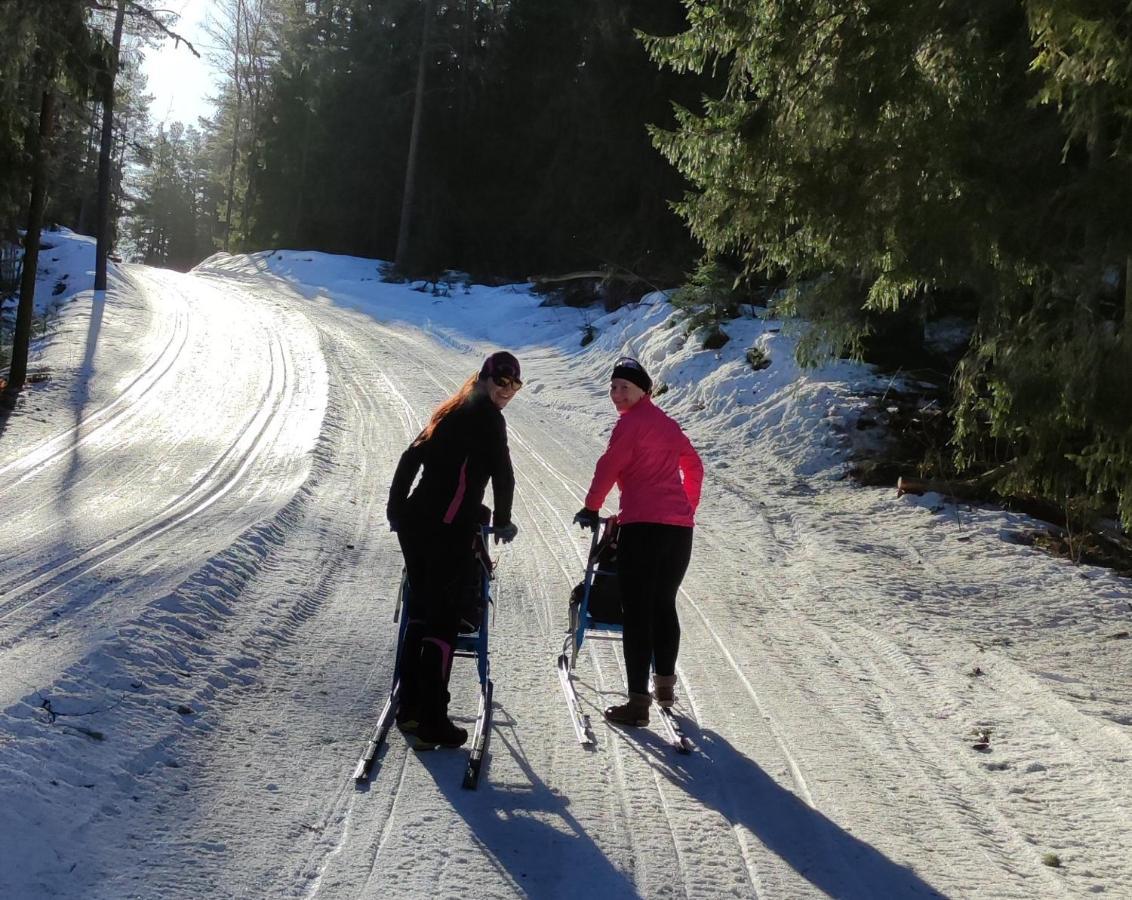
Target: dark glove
[(506, 533), (394, 525), (587, 518)]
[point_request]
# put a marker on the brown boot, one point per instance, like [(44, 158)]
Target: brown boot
[(635, 712), (664, 690)]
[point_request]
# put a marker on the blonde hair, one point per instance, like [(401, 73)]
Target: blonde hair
[(446, 407)]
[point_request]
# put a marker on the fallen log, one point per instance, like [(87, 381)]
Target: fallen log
[(594, 275), (966, 489)]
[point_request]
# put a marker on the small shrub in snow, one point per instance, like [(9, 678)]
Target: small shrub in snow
[(715, 338), (453, 278), (1052, 860), (757, 358), (391, 274), (588, 334), (709, 299)]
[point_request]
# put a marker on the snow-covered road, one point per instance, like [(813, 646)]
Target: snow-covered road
[(196, 633)]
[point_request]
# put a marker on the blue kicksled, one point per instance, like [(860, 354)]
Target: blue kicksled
[(599, 580), (472, 642), (595, 609)]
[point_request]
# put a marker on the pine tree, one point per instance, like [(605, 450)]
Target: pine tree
[(709, 300), (175, 221), (533, 152), (58, 63), (888, 156)]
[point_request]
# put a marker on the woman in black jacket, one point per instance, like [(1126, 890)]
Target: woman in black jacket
[(463, 446)]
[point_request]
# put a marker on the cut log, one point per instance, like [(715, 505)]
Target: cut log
[(595, 275), (965, 489)]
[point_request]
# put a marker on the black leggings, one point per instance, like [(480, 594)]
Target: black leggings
[(434, 559), (651, 562)]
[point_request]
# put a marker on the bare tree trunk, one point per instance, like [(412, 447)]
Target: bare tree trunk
[(301, 189), (401, 258), (253, 150), (90, 156), (1126, 330), (465, 65), (235, 130), (21, 341), (104, 148)]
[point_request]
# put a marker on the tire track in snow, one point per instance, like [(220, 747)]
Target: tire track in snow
[(791, 654), (553, 644), (287, 614), (942, 770), (220, 479), (869, 725), (364, 408), (111, 415), (914, 703), (232, 566)]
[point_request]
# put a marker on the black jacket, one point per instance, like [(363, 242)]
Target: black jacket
[(468, 447)]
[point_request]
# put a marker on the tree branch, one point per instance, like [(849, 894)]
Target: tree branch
[(135, 8)]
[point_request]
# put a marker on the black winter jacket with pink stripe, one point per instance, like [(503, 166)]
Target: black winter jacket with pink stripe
[(468, 448)]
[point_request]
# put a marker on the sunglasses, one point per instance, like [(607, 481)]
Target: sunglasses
[(507, 382)]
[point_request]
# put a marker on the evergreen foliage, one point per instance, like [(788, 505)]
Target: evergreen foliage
[(175, 219), (42, 46), (533, 153), (708, 300), (68, 43), (889, 162), (891, 156)]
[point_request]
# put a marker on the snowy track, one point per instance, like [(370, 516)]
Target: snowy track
[(202, 574), (185, 446)]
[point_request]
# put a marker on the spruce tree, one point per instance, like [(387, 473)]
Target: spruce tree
[(894, 155), (57, 66)]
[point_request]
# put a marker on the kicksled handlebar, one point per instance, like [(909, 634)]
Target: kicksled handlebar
[(596, 525)]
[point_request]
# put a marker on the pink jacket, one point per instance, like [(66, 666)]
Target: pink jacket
[(654, 464)]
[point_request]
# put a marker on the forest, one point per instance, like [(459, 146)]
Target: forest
[(874, 170)]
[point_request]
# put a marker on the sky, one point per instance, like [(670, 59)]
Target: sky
[(889, 696), (180, 82)]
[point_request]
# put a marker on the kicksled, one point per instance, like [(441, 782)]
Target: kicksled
[(472, 643), (595, 610)]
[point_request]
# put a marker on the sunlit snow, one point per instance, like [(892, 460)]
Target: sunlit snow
[(889, 696)]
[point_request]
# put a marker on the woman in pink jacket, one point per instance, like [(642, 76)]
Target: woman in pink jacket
[(659, 475)]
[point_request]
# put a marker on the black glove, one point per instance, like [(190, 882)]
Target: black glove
[(506, 533), (587, 518), (394, 525)]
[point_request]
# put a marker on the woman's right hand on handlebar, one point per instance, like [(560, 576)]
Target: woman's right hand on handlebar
[(587, 518)]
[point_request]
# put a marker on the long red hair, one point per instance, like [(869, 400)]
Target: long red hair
[(446, 407)]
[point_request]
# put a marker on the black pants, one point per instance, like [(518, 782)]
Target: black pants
[(435, 559), (651, 562)]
